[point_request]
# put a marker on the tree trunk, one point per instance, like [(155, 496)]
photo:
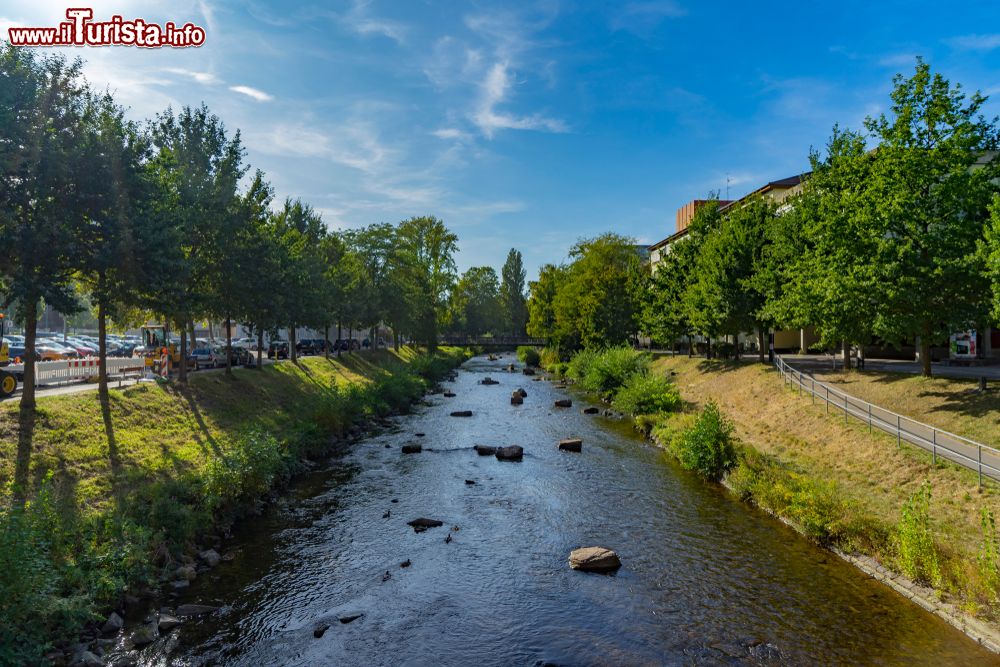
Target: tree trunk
[(395, 340), (925, 356), (30, 329), (194, 341), (340, 340), (847, 355), (182, 367), (291, 345), (229, 347), (690, 346), (326, 342), (102, 351), (760, 344), (260, 349), (708, 347)]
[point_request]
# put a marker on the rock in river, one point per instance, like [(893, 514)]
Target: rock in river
[(462, 413), (528, 371), (571, 444), (113, 624), (489, 381), (347, 618), (145, 634), (449, 394), (412, 449), (210, 557), (516, 399), (512, 453), (485, 450), (564, 403), (522, 393), (195, 609), (594, 559), (422, 524), (591, 410)]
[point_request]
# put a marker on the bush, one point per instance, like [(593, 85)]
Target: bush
[(989, 555), (529, 355), (245, 471), (647, 394), (550, 356), (707, 447), (916, 554), (604, 372)]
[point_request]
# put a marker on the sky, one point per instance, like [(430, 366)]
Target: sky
[(531, 124)]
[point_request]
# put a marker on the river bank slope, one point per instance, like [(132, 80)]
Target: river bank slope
[(119, 489), (847, 487)]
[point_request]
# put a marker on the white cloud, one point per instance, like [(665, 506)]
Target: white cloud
[(975, 42), (205, 78), (450, 133), (898, 60), (494, 91), (258, 95), (358, 20)]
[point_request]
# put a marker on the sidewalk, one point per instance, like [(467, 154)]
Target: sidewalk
[(938, 369)]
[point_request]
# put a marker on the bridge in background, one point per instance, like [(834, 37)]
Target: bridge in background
[(492, 342)]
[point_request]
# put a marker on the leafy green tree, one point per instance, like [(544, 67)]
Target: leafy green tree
[(820, 262), (381, 295), (512, 299), (301, 233), (724, 288), (542, 302), (42, 108), (199, 168), (475, 303), (597, 304), (932, 180), (426, 250)]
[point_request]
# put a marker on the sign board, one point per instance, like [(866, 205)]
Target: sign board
[(963, 345)]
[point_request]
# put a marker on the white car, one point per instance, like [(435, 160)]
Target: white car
[(246, 343)]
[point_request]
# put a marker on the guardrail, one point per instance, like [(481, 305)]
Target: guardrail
[(975, 456)]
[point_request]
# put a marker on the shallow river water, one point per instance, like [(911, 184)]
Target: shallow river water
[(705, 579)]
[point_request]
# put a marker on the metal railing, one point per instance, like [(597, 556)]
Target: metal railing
[(975, 456)]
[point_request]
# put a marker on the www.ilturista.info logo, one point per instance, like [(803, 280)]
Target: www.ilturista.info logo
[(80, 30)]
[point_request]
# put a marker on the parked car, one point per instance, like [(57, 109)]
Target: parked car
[(53, 350), (208, 357), (347, 344), (245, 343), (311, 346), (277, 349)]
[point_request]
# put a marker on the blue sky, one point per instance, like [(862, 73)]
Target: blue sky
[(532, 124)]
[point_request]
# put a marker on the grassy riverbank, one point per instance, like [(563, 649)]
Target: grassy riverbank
[(846, 487), (116, 487), (836, 482)]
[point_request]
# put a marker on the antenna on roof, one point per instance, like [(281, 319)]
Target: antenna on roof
[(727, 187)]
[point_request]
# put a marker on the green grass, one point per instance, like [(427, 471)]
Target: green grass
[(109, 486)]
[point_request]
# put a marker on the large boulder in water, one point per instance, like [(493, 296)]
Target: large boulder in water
[(462, 413), (594, 559), (564, 403), (422, 524), (512, 453), (489, 381), (571, 445), (412, 449), (485, 450), (528, 371), (515, 399)]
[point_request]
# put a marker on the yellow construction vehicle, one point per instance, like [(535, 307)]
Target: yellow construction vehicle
[(8, 381), (156, 342)]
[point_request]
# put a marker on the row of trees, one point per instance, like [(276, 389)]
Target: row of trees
[(894, 236), (165, 220), (481, 303)]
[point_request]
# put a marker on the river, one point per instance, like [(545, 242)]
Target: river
[(705, 579)]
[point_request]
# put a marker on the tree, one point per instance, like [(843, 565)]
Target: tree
[(932, 180), (475, 303), (541, 303), (199, 168), (118, 242), (256, 297), (300, 232), (820, 262), (512, 300), (724, 294), (42, 108), (426, 251), (597, 304)]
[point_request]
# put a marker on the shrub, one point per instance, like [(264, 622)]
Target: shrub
[(550, 356), (647, 394), (989, 554), (246, 470), (604, 372), (707, 447), (916, 554), (529, 355)]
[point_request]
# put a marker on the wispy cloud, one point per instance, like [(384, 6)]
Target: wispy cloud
[(258, 95), (642, 17), (494, 92), (898, 59), (206, 78), (450, 133), (975, 42), (360, 21)]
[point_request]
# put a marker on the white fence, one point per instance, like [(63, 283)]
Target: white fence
[(983, 459), (52, 372)]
